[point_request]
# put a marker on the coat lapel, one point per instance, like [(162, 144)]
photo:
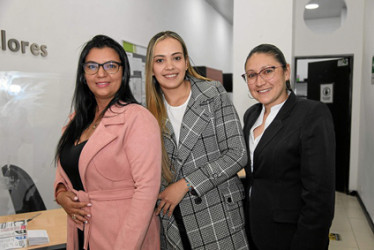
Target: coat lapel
[(249, 121), (195, 119), (98, 140), (169, 133), (170, 145), (276, 125)]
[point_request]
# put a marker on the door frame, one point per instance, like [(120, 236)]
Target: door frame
[(331, 57)]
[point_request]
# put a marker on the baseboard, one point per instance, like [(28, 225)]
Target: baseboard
[(367, 215)]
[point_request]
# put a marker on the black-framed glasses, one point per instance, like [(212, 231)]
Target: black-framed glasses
[(266, 73), (110, 67)]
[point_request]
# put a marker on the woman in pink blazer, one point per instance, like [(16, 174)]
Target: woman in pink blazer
[(109, 157)]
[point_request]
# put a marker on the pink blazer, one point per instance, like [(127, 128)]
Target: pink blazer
[(120, 168)]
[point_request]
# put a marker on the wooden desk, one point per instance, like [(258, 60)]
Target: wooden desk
[(52, 220)]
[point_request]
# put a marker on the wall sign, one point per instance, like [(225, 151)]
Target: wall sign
[(15, 45), (327, 93)]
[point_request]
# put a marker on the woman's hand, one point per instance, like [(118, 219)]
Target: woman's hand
[(72, 206), (171, 197)]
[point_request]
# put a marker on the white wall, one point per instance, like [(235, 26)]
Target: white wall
[(257, 22), (365, 184), (355, 36), (324, 25), (30, 122), (66, 25), (348, 39)]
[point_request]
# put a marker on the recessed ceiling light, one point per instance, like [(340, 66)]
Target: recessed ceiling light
[(311, 6)]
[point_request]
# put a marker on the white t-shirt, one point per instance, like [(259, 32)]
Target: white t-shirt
[(175, 114)]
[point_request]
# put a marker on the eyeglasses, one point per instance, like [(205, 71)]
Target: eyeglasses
[(267, 74), (110, 67)]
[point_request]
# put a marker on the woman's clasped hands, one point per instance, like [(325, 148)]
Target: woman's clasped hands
[(73, 207)]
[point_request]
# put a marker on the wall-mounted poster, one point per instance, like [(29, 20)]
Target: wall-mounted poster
[(136, 55), (372, 70)]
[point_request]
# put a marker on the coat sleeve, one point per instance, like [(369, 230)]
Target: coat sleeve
[(143, 150), (318, 180), (59, 178), (231, 145)]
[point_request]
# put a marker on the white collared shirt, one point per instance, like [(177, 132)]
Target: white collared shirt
[(254, 142)]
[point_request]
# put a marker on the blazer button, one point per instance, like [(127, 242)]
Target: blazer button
[(198, 200)]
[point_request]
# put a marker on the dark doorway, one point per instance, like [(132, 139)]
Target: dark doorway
[(330, 81)]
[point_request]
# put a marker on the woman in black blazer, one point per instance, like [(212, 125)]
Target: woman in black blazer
[(291, 167)]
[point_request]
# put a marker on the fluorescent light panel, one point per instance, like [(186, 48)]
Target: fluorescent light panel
[(311, 6)]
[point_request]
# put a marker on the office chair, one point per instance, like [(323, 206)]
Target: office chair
[(23, 192)]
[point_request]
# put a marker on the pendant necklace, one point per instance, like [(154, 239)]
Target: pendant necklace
[(96, 123)]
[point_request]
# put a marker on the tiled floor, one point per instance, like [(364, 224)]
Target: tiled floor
[(351, 224)]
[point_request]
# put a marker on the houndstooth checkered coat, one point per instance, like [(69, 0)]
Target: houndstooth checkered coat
[(211, 151)]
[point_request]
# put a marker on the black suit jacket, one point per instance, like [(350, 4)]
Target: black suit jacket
[(293, 181)]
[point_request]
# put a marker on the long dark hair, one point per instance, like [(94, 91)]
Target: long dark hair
[(273, 50), (84, 102)]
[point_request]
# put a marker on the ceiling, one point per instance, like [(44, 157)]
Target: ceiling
[(327, 9), (224, 7), (330, 8)]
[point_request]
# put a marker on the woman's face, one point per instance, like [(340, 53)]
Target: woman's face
[(102, 84), (169, 64), (271, 90)]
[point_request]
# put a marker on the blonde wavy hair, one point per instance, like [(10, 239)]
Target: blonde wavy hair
[(154, 96)]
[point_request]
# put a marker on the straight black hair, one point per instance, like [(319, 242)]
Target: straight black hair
[(84, 102)]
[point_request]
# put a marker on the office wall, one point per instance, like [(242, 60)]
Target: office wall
[(348, 39), (256, 22), (365, 183), (31, 121)]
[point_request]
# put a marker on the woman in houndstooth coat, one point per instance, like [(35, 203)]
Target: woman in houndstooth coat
[(201, 200)]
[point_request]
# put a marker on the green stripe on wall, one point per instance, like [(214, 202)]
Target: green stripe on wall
[(129, 47)]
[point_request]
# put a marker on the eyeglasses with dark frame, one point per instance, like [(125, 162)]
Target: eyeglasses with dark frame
[(110, 67), (266, 74)]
